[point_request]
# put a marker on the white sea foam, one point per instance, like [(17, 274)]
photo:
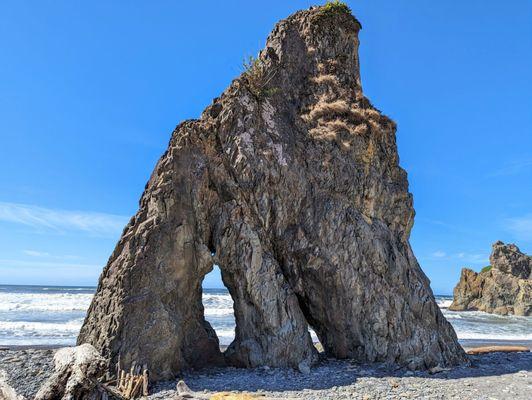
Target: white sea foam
[(54, 316), (218, 312), (444, 303), (493, 336), (54, 302), (22, 328), (225, 336)]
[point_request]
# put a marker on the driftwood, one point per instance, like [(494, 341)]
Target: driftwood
[(76, 375), (493, 349), (127, 385), (81, 373)]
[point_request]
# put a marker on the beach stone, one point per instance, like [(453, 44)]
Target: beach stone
[(290, 182), (504, 289), (76, 371), (304, 368)]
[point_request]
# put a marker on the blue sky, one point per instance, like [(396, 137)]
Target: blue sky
[(89, 93)]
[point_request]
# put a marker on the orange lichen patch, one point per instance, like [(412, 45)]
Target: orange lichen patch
[(338, 125), (325, 79), (323, 133), (370, 152), (375, 126), (327, 66), (371, 113), (361, 129), (329, 109)]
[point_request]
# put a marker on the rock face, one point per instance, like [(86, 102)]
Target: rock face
[(289, 182), (504, 289), (77, 370)]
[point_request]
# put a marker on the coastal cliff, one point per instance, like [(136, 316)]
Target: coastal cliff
[(290, 182), (504, 287)]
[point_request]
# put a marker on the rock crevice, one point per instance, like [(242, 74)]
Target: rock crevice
[(290, 182)]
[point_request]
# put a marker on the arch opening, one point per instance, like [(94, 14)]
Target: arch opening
[(218, 307), (312, 325), (219, 311)]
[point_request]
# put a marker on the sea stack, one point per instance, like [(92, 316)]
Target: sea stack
[(290, 182), (504, 287)]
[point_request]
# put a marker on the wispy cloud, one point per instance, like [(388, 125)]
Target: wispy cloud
[(520, 227), (436, 222), (443, 224), (472, 258), (513, 168), (40, 218), (464, 258), (43, 254), (34, 253), (44, 264)]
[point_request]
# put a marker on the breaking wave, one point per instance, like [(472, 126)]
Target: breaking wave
[(33, 315)]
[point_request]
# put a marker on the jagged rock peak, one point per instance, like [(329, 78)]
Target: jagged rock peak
[(509, 259), (504, 287), (290, 182)]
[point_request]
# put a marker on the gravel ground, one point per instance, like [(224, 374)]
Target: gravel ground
[(26, 369), (491, 376)]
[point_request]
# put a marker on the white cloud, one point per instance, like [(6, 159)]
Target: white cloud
[(43, 254), (462, 257), (473, 258), (34, 253), (44, 264), (40, 218), (520, 227)]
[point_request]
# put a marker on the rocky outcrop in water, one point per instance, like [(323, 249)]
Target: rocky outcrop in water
[(290, 182), (503, 288)]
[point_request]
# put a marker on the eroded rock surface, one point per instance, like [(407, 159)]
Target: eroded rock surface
[(505, 288), (290, 182)]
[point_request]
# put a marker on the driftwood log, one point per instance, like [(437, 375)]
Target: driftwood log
[(493, 349), (80, 373)]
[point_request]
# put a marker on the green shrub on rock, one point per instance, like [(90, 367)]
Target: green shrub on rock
[(486, 269), (335, 6)]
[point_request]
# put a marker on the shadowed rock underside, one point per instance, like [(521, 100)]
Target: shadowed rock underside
[(290, 182), (504, 289)]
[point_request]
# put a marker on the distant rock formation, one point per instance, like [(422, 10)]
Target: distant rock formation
[(290, 182), (505, 287)]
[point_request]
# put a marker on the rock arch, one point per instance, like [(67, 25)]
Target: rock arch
[(292, 179)]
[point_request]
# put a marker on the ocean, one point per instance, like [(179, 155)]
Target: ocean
[(52, 315)]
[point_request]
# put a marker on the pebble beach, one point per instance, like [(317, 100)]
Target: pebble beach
[(489, 376)]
